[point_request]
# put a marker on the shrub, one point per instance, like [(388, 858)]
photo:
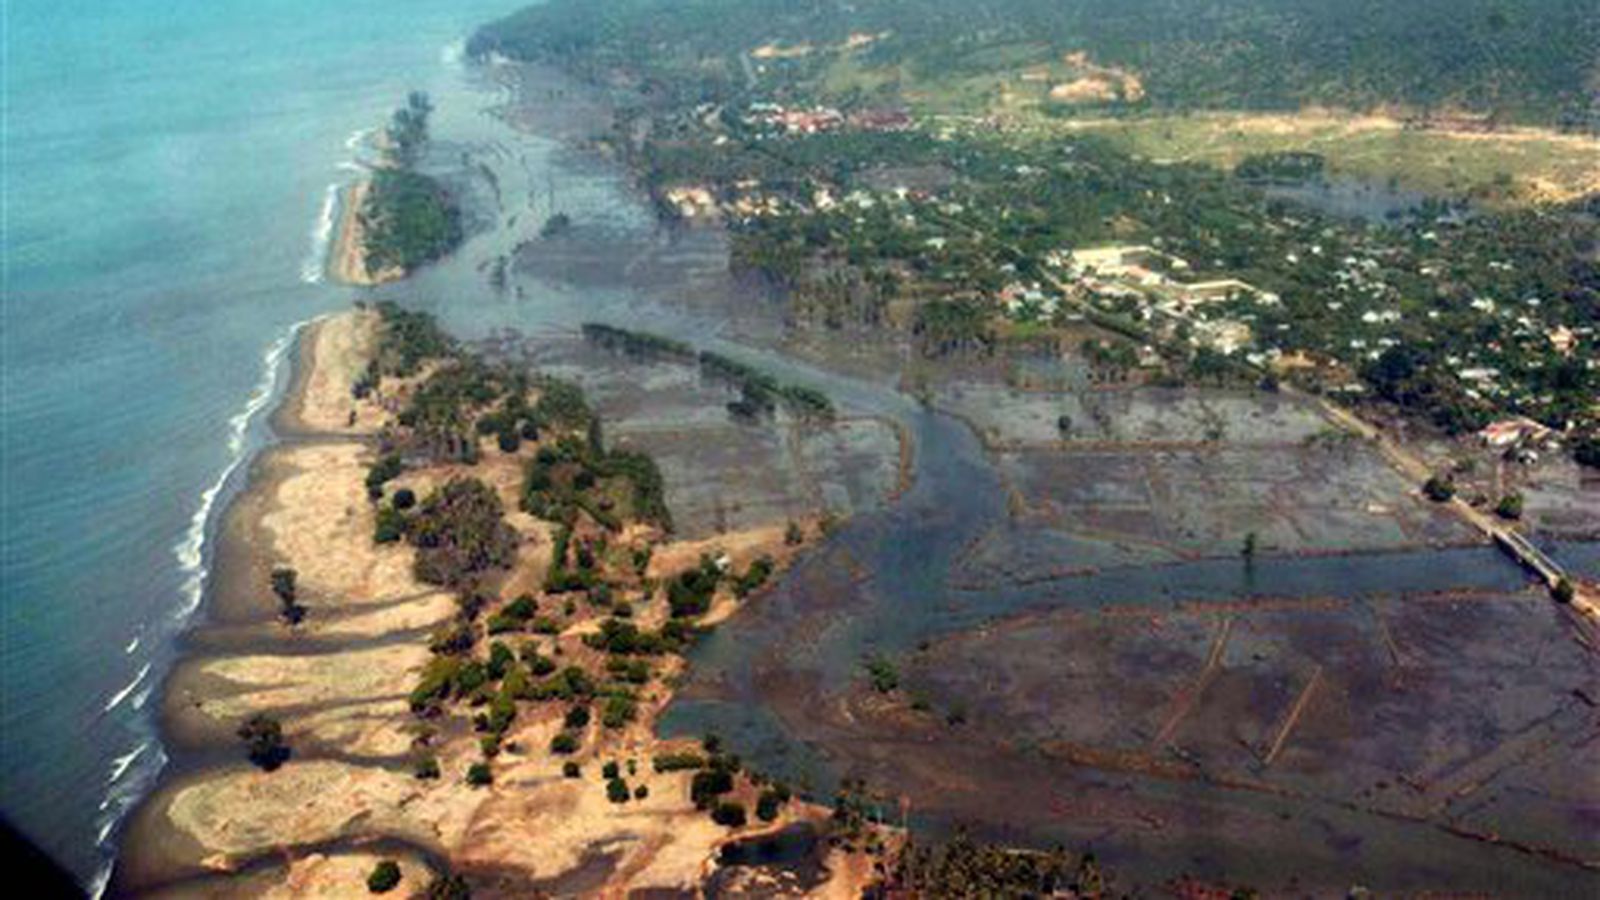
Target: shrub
[(285, 589), (384, 878), (264, 744), (677, 762), (577, 717), (610, 770), (641, 792), (1510, 506), (883, 674), (618, 711), (729, 813), (448, 887), (460, 531), (1565, 591), (708, 784), (768, 804), (500, 659), (404, 499), (570, 769), (1439, 490), (426, 768), (386, 469), (390, 526), (617, 790), (563, 743), (478, 774)]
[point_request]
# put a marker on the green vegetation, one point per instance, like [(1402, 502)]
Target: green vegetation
[(385, 877), (408, 218), (759, 392), (264, 743), (951, 233), (449, 886), (478, 775), (1565, 591), (1509, 507), (1439, 489), (882, 673), (285, 589), (678, 762), (1527, 60), (963, 868), (460, 533), (1287, 167)]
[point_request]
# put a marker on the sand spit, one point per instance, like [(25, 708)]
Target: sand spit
[(339, 685)]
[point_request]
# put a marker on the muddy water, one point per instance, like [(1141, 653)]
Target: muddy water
[(781, 682)]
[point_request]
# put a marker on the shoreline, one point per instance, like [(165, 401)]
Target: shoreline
[(215, 826), (347, 263)]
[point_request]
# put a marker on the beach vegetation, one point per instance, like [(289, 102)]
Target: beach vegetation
[(285, 588), (729, 813), (1510, 506), (460, 532), (1439, 489), (678, 762), (885, 678), (770, 803), (448, 886), (709, 784), (384, 878), (408, 220), (264, 743)]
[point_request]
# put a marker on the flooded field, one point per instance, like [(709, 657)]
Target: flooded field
[(1082, 651)]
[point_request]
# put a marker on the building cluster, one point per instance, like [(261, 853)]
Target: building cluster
[(1151, 283), (786, 120)]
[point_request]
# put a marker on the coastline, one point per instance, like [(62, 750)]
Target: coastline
[(347, 262), (215, 826)]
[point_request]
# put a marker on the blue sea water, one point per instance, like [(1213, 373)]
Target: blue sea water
[(169, 168)]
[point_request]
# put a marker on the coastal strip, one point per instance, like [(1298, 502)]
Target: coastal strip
[(343, 769)]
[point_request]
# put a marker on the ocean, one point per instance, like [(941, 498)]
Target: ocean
[(171, 172)]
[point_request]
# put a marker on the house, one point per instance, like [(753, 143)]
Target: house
[(1513, 432)]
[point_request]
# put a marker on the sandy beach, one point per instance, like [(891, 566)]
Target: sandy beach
[(339, 683)]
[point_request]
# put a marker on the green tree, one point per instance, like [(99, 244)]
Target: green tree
[(264, 743), (385, 877)]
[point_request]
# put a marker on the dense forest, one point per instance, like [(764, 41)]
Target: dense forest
[(1518, 60)]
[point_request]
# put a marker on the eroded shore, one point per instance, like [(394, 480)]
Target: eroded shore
[(339, 683)]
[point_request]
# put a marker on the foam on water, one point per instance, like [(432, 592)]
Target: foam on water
[(191, 550), (321, 237), (119, 696), (132, 646)]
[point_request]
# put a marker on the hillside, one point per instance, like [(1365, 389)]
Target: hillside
[(1523, 61)]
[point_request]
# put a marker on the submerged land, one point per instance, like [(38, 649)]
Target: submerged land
[(1031, 472)]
